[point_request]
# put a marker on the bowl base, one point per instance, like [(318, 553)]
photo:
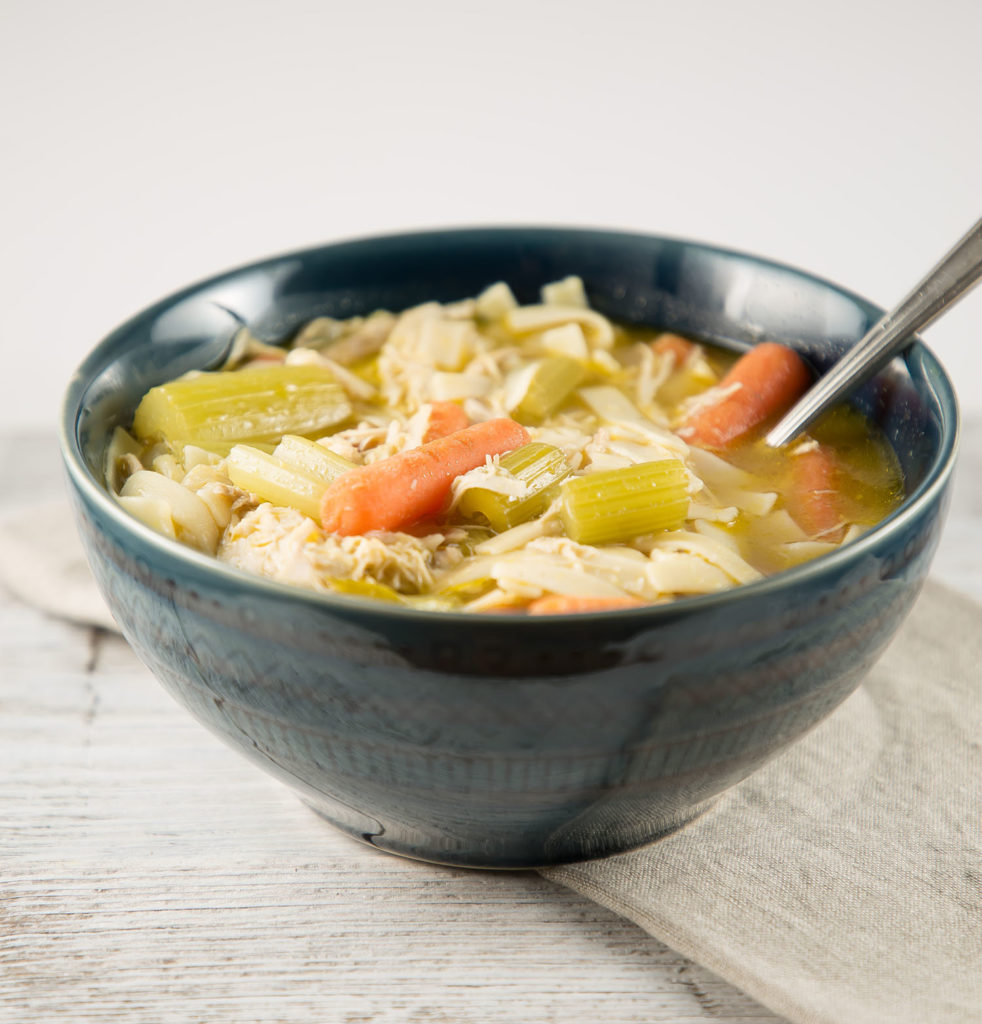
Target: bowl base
[(588, 837)]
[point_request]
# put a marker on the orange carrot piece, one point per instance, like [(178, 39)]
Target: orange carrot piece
[(445, 418), (770, 378), (681, 348), (813, 501), (565, 604), (396, 492)]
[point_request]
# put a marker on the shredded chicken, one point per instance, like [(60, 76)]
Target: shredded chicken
[(284, 544)]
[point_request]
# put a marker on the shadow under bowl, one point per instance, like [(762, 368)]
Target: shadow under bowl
[(503, 741)]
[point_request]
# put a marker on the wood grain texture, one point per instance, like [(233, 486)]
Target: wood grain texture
[(148, 873)]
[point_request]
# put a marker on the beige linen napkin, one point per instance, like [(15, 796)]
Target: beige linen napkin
[(43, 564), (840, 884)]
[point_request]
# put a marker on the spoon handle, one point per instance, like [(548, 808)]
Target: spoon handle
[(953, 276)]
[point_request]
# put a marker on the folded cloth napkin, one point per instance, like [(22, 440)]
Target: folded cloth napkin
[(43, 564), (843, 881), (840, 884)]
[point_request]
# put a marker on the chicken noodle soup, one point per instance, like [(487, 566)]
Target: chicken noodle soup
[(487, 456)]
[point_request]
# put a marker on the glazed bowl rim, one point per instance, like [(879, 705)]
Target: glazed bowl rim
[(918, 358)]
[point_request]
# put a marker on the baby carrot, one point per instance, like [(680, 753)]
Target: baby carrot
[(769, 377), (395, 492), (565, 604), (813, 499), (681, 348), (445, 418)]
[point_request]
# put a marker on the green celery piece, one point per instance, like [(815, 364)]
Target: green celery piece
[(253, 405), (540, 466), (467, 590), (275, 481), (312, 458), (543, 386), (615, 506)]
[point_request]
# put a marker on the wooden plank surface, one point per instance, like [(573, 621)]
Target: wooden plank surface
[(148, 873)]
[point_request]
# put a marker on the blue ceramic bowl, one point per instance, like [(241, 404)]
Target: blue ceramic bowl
[(503, 741)]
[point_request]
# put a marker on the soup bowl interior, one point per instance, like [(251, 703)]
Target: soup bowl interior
[(508, 741)]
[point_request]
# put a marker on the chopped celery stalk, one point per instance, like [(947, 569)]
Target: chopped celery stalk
[(366, 588), (313, 458), (468, 589), (273, 480), (614, 506), (542, 386), (539, 466), (252, 405)]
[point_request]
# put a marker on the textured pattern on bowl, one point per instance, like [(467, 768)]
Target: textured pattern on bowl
[(500, 741)]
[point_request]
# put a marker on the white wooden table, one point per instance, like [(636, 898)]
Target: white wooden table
[(148, 873)]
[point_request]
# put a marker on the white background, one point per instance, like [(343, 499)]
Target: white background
[(148, 145)]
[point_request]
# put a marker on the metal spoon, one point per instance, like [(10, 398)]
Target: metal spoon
[(943, 286)]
